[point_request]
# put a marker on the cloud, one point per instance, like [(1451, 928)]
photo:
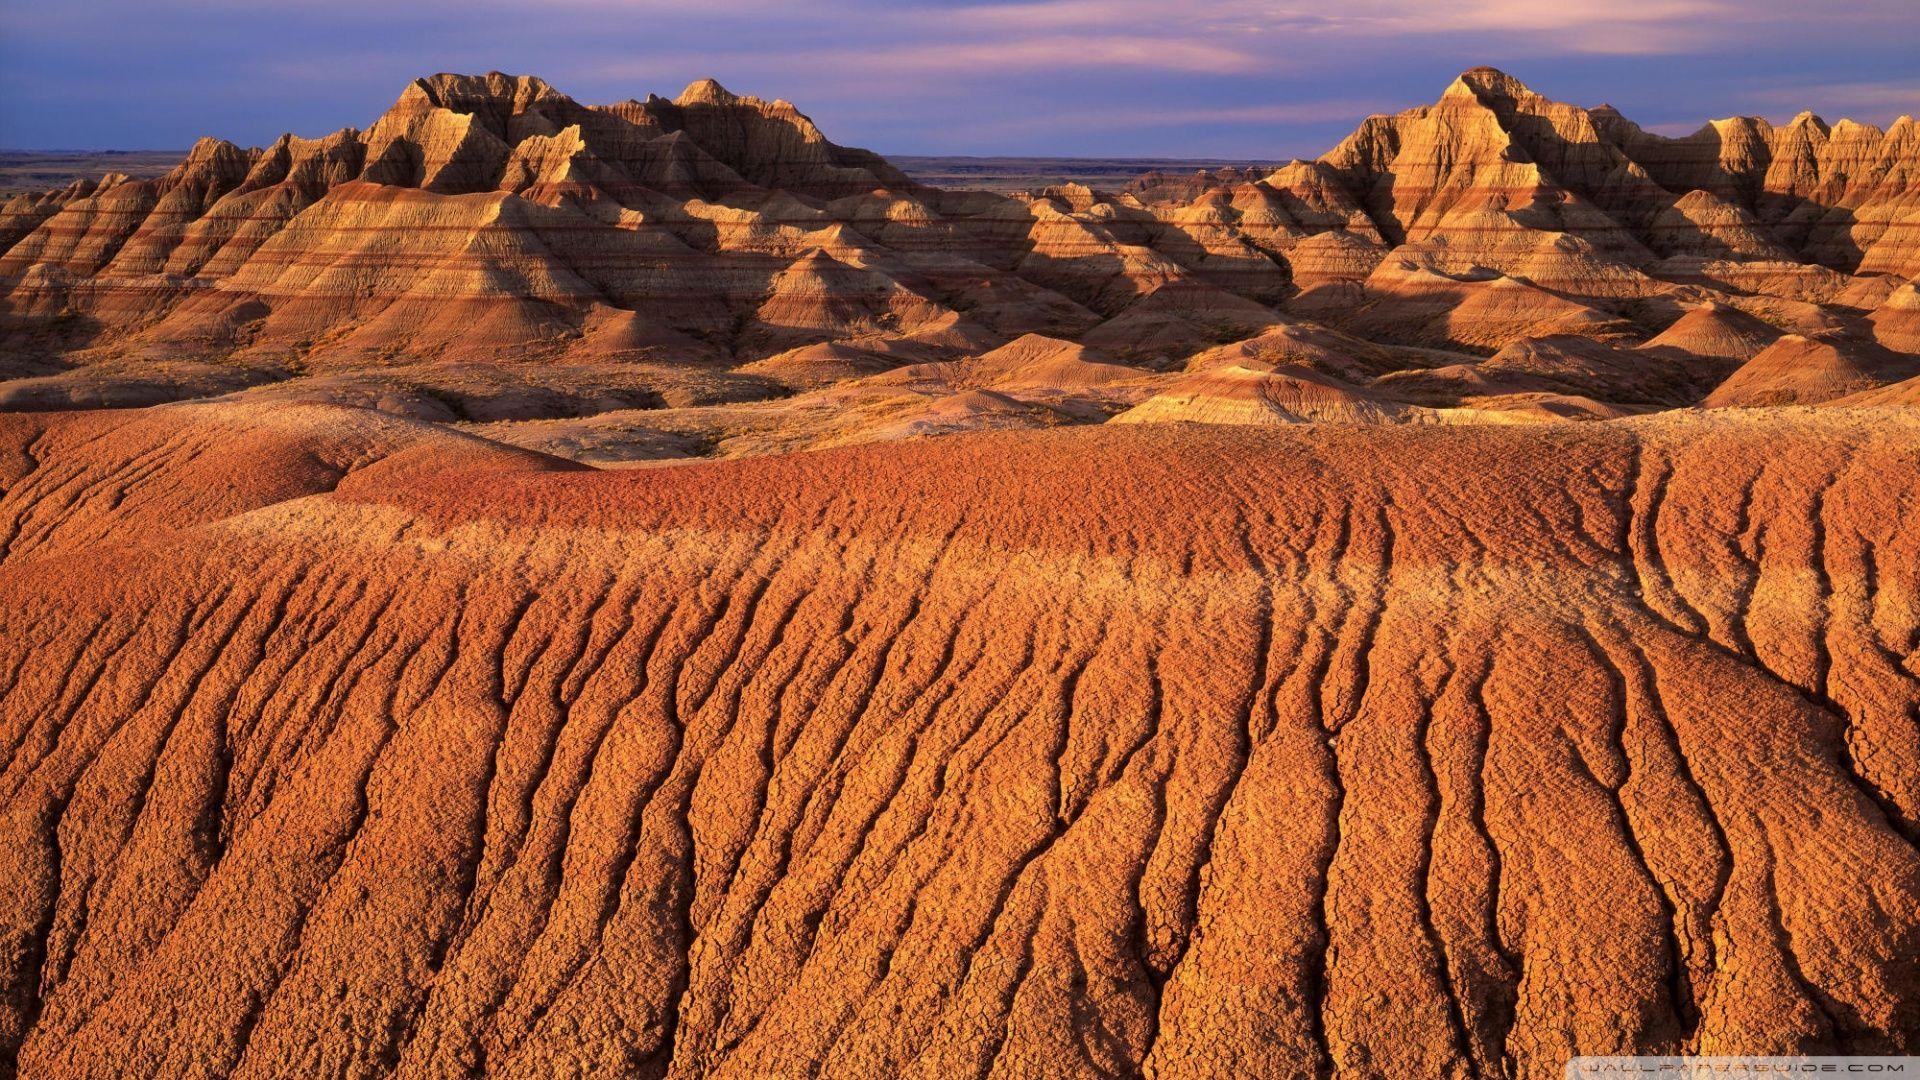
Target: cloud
[(1065, 52), (1835, 100), (1064, 122), (1629, 27), (1252, 78), (1057, 53)]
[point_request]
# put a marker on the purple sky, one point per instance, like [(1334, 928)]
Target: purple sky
[(1229, 78)]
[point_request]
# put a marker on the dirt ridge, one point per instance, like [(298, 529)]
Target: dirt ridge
[(1151, 751)]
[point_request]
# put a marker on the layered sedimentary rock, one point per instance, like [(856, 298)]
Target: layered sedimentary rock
[(1896, 323), (1231, 394), (1798, 370), (337, 744), (1716, 331), (494, 220), (1600, 371)]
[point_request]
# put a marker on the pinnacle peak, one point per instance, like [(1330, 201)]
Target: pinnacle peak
[(1486, 77), (1480, 84), (706, 92), (452, 90)]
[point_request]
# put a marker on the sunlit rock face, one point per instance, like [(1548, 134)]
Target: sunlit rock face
[(717, 263)]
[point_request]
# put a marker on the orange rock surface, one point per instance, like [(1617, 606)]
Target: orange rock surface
[(337, 744)]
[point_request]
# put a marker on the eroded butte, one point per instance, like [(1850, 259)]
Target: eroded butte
[(711, 276)]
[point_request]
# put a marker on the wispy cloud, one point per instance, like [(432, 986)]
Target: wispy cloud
[(1630, 27), (1059, 53), (1834, 100), (1243, 78), (909, 59), (1062, 122)]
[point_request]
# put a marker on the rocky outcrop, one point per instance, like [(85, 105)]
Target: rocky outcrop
[(1231, 394), (494, 220), (1716, 331), (1599, 371), (1797, 370), (1896, 250), (1896, 323), (1409, 303), (1830, 192)]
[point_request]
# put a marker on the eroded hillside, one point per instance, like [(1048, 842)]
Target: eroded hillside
[(711, 276), (337, 744)]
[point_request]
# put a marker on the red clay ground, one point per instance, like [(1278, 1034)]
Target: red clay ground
[(339, 745)]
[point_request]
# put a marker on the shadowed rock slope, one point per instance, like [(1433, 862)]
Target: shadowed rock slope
[(341, 745)]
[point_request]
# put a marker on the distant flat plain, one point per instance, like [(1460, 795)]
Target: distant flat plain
[(1005, 174), (38, 170)]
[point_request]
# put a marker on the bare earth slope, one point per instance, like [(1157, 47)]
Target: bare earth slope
[(340, 745)]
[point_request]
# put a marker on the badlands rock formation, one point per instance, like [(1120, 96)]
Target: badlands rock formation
[(711, 276), (337, 744), (1430, 611)]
